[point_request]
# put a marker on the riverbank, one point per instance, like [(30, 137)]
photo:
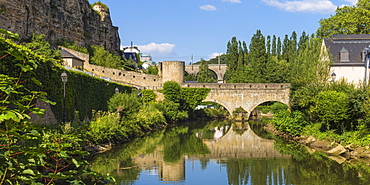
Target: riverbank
[(334, 150)]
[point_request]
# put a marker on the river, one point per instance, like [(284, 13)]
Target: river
[(220, 152)]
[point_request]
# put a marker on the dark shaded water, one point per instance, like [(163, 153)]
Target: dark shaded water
[(222, 153)]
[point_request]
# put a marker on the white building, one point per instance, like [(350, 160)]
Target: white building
[(347, 55)]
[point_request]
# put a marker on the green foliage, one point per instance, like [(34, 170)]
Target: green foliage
[(171, 91), (153, 70), (101, 57), (295, 62), (83, 92), (108, 124), (128, 103), (148, 117), (42, 48), (100, 4), (347, 20), (72, 45), (191, 97), (216, 113), (30, 154), (239, 110), (190, 77), (171, 110), (331, 108), (292, 123), (205, 75), (148, 95)]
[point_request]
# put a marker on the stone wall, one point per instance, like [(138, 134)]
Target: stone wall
[(172, 71), (245, 95), (139, 80), (74, 20)]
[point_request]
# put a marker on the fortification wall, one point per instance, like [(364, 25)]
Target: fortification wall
[(141, 80), (172, 71), (241, 86)]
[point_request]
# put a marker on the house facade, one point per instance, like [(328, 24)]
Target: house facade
[(73, 58), (347, 53)]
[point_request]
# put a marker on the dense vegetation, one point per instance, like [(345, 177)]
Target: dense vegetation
[(26, 76), (29, 153), (336, 111)]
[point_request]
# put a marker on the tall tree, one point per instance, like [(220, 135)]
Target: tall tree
[(273, 49), (347, 20), (285, 48), (268, 45), (232, 54), (278, 48), (257, 56), (205, 75), (302, 41)]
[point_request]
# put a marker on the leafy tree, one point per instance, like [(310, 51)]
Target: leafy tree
[(102, 57), (172, 91), (273, 49), (205, 75), (125, 104), (190, 77), (347, 20), (331, 107), (148, 95), (42, 48), (257, 57), (278, 48), (232, 54)]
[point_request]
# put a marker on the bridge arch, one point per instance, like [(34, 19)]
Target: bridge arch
[(246, 95), (218, 69)]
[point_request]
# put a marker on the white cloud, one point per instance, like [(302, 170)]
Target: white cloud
[(214, 55), (312, 6), (232, 1), (208, 7), (158, 50), (353, 2)]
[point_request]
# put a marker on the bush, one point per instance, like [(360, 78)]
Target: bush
[(148, 95), (171, 110), (331, 108), (148, 117), (171, 91), (127, 103), (289, 122), (105, 129)]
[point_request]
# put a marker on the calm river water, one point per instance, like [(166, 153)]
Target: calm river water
[(220, 152)]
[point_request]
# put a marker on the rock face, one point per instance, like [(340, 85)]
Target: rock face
[(74, 20)]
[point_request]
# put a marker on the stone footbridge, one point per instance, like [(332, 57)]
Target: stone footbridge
[(245, 95)]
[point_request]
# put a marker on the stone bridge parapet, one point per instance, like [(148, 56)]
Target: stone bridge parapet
[(245, 95)]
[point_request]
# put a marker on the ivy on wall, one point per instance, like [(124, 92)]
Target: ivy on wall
[(84, 93)]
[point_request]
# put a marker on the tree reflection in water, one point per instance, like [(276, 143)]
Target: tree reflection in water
[(246, 157)]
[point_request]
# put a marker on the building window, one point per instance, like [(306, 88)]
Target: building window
[(344, 55)]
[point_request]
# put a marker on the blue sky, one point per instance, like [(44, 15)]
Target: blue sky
[(178, 29)]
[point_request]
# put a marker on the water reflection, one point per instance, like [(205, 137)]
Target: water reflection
[(220, 153)]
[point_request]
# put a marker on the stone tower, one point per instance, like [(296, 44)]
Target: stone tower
[(172, 71)]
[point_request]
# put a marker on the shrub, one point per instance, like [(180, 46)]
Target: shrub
[(105, 129), (289, 122), (148, 117), (171, 110), (129, 103)]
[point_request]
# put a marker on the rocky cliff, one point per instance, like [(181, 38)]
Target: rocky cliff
[(74, 20)]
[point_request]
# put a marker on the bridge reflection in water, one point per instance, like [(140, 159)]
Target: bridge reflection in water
[(246, 145), (226, 144)]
